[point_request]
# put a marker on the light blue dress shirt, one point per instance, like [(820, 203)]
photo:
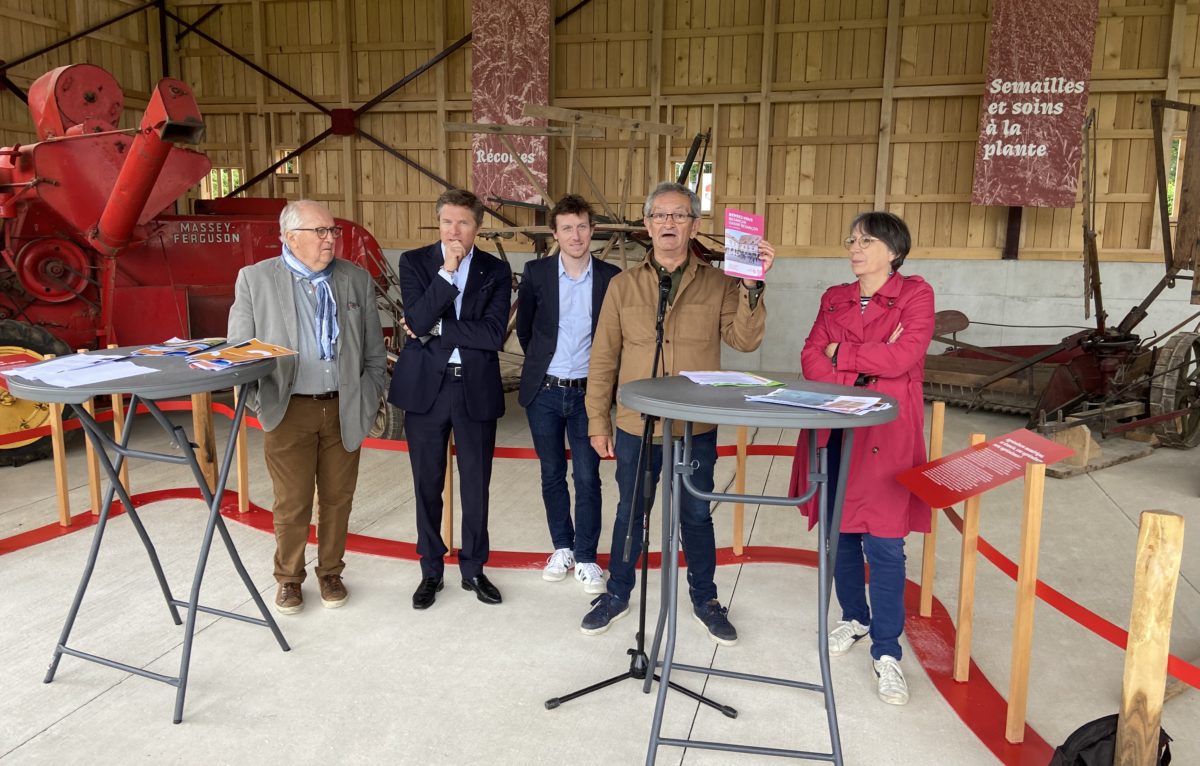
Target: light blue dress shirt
[(574, 346), (459, 280)]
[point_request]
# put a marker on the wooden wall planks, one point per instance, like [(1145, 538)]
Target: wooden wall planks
[(801, 147)]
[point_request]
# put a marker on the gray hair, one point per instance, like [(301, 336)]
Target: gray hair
[(669, 187), (293, 215)]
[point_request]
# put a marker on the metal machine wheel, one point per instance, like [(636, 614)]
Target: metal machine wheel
[(1176, 386), (389, 422), (18, 339)]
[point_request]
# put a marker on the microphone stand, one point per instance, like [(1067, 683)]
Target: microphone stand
[(639, 661)]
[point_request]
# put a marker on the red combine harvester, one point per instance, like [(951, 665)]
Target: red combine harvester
[(92, 252)]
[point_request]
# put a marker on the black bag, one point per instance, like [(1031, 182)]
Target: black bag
[(1095, 743)]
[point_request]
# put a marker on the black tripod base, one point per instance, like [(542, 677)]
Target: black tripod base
[(638, 666)]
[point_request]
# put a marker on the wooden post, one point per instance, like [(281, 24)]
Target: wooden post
[(966, 582), (739, 512), (59, 445), (937, 428), (93, 461), (243, 463), (202, 426), (571, 159), (1160, 546), (93, 465), (1022, 641), (448, 498), (118, 410)]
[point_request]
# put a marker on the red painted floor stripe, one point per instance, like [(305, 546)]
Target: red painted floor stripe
[(976, 702), (1119, 637)]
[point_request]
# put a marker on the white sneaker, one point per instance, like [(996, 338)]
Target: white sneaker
[(843, 638), (558, 564), (592, 577), (893, 689)]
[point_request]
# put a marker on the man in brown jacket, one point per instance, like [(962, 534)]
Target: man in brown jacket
[(704, 307)]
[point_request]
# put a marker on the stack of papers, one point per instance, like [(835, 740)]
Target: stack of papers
[(179, 347), (80, 370), (726, 378), (252, 350), (845, 405)]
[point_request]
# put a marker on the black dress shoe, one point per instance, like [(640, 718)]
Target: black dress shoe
[(426, 592), (484, 590)]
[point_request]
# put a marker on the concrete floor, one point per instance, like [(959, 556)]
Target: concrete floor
[(464, 682)]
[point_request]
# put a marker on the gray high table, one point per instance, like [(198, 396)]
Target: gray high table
[(678, 399), (173, 379)]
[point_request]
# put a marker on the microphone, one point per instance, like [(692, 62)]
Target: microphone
[(664, 283)]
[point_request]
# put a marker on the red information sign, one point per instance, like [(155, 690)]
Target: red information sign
[(976, 469)]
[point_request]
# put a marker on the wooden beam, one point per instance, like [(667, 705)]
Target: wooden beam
[(442, 161), (1171, 93), (448, 498), (571, 160), (204, 438), (966, 583), (242, 461), (118, 412), (1022, 632), (937, 432), (883, 157), (767, 75), (268, 129), (522, 130), (343, 12), (654, 69), (573, 116), (739, 509)]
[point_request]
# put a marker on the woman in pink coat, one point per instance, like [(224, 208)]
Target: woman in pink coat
[(874, 333)]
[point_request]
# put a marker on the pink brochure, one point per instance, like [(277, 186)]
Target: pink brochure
[(743, 231)]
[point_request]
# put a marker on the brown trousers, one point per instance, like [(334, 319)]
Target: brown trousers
[(304, 452)]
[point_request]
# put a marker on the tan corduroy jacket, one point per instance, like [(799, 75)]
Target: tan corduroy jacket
[(709, 307)]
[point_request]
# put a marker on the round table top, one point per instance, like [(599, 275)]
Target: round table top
[(678, 398), (173, 378)]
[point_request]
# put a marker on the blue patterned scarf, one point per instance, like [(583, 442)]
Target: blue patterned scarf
[(326, 324)]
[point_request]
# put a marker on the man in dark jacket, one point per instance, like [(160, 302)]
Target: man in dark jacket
[(456, 302), (558, 304)]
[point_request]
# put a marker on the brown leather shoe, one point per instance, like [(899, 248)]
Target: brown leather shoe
[(288, 598), (333, 591)]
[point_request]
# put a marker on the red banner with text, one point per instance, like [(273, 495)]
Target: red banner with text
[(510, 67), (1034, 103)]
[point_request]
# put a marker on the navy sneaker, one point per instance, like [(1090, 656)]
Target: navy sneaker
[(713, 617), (606, 609)]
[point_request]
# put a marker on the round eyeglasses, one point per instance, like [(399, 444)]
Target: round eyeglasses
[(862, 242)]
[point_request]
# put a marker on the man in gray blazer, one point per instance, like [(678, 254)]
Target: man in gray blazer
[(317, 406)]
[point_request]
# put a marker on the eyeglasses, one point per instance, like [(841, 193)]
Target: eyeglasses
[(323, 231), (862, 242), (679, 218)]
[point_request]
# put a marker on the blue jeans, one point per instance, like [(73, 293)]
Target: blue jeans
[(885, 614), (554, 413), (699, 542)]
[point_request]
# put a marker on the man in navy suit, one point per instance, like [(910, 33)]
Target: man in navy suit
[(456, 302), (558, 304)]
